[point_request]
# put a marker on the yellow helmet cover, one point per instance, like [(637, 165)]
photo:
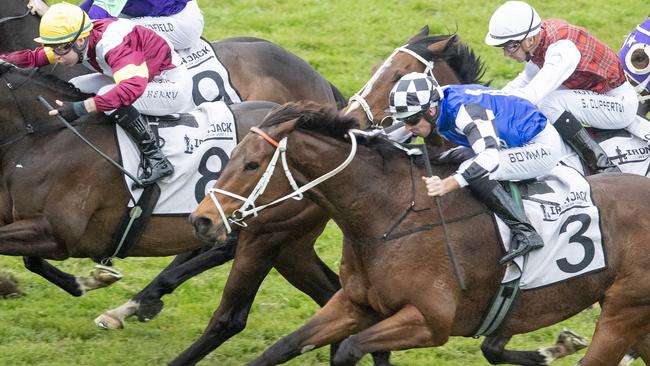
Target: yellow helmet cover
[(63, 23)]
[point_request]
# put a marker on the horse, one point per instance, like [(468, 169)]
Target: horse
[(230, 317), (453, 61), (400, 293)]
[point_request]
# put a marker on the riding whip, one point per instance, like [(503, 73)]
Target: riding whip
[(458, 272), (108, 158)]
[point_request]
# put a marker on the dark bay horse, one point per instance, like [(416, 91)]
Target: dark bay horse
[(401, 293)]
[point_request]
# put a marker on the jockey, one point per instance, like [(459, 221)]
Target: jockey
[(136, 70), (572, 77), (635, 56), (180, 21), (512, 140)]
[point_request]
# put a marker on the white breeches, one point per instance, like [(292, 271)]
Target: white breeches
[(169, 92), (611, 111), (182, 29), (532, 160)]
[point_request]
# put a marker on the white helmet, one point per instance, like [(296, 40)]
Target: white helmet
[(512, 21)]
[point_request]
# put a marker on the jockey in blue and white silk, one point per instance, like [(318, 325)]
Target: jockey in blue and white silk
[(638, 73)]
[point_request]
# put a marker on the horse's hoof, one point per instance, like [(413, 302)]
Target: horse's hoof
[(573, 341), (107, 321), (148, 310)]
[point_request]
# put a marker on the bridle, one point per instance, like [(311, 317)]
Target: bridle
[(28, 128), (5, 19), (248, 208), (419, 52)]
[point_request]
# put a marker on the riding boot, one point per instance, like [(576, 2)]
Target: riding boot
[(523, 237), (155, 165), (583, 144)]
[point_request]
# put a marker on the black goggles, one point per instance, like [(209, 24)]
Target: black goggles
[(411, 120), (62, 49), (511, 47)]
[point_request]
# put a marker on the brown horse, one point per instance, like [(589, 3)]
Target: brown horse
[(450, 60), (401, 293), (287, 78)]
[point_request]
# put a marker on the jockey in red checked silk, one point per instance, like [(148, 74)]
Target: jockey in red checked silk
[(136, 71), (180, 21), (574, 78)]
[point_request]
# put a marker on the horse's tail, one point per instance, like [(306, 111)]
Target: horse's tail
[(341, 101)]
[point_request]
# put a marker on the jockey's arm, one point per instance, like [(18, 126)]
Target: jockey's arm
[(560, 61), (131, 75), (474, 123), (41, 56), (100, 9)]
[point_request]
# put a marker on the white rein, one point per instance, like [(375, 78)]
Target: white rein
[(248, 208)]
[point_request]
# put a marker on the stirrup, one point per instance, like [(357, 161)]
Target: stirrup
[(521, 250)]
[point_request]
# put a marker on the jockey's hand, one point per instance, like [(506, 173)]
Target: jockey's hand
[(69, 110), (440, 187), (37, 7)]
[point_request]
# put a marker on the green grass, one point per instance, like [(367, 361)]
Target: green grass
[(343, 40)]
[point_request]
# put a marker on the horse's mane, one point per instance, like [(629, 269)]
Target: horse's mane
[(323, 120), (326, 121), (45, 79), (460, 57)]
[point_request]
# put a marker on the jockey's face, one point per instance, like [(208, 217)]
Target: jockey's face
[(68, 56), (517, 50)]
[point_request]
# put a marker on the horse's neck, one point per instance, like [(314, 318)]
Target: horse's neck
[(373, 181)]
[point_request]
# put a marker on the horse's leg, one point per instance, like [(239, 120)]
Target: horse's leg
[(30, 238), (147, 303), (567, 343), (306, 271), (253, 260), (407, 328), (616, 331), (334, 322)]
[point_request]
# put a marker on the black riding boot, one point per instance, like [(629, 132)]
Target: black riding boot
[(583, 144), (523, 237), (155, 165)]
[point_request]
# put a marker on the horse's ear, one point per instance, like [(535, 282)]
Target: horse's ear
[(283, 129), (424, 32)]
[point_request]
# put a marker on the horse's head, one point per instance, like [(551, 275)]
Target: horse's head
[(20, 111), (249, 173), (443, 56)]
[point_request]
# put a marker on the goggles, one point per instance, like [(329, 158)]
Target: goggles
[(413, 119), (511, 47), (62, 49)]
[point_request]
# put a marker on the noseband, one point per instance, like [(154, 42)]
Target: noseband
[(420, 53)]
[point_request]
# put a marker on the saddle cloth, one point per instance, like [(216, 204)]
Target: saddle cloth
[(630, 153), (198, 144), (210, 79), (560, 207)]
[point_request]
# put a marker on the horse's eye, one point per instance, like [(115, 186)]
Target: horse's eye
[(251, 165)]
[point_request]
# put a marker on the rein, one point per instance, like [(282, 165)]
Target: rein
[(5, 19), (418, 52), (248, 208)]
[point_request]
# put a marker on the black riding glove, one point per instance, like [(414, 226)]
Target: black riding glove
[(72, 110)]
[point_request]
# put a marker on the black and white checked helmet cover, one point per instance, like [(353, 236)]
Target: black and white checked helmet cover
[(413, 93)]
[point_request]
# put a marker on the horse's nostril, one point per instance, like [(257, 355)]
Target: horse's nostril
[(201, 223)]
